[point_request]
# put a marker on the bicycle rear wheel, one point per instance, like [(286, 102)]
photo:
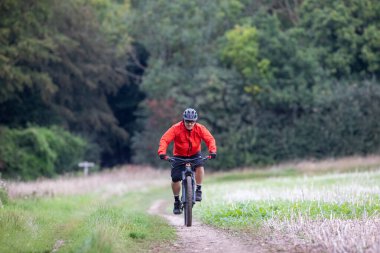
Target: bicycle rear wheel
[(189, 202)]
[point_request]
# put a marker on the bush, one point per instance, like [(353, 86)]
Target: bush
[(33, 152), (69, 149), (3, 194)]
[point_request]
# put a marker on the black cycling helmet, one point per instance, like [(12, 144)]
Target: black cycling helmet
[(190, 114)]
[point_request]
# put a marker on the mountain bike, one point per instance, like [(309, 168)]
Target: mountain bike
[(188, 184)]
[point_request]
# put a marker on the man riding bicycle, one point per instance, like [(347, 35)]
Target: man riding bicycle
[(187, 136)]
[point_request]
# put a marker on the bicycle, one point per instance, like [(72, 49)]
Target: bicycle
[(188, 185)]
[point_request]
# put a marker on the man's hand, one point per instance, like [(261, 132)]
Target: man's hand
[(212, 155), (163, 157)]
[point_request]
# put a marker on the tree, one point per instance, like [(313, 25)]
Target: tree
[(345, 35), (25, 45), (182, 40), (60, 64)]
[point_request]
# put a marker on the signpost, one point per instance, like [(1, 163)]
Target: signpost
[(86, 165)]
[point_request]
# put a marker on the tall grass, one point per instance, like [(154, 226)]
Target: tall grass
[(108, 182), (326, 235)]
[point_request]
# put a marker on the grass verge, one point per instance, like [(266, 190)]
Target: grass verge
[(86, 223), (242, 215)]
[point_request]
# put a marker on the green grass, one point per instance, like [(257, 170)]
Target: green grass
[(86, 223), (244, 214), (239, 204), (3, 196)]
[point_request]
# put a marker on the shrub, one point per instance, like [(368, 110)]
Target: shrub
[(69, 149), (3, 194), (35, 151)]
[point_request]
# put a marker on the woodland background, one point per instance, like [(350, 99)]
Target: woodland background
[(101, 80)]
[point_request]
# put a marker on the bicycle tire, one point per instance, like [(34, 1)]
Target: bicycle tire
[(189, 202)]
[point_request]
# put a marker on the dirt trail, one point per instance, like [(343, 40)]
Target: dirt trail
[(202, 237)]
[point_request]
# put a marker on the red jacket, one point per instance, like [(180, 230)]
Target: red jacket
[(186, 142)]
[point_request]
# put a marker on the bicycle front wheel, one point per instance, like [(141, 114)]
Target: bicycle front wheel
[(189, 202)]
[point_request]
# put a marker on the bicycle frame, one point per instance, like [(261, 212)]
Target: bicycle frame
[(188, 185), (189, 171)]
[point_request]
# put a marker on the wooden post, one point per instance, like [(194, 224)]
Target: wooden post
[(86, 165)]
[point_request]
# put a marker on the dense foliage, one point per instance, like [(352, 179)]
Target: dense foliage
[(35, 151), (273, 79), (61, 63)]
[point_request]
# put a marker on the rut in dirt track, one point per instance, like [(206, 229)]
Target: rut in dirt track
[(202, 237)]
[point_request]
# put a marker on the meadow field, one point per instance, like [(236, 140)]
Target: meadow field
[(298, 208), (329, 206)]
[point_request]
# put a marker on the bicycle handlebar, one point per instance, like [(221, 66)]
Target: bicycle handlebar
[(187, 160)]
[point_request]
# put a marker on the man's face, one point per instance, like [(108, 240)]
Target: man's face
[(189, 124)]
